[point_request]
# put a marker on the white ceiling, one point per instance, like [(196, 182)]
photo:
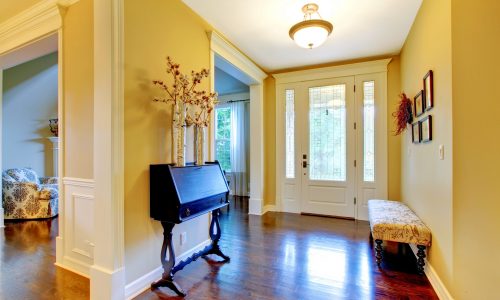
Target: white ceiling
[(259, 28)]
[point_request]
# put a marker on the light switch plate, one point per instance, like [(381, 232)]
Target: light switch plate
[(441, 152)]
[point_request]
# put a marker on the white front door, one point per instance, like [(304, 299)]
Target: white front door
[(335, 149), (327, 147)]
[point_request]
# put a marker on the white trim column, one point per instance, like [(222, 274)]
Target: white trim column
[(107, 275), (254, 77)]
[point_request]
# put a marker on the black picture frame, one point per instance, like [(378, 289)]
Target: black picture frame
[(426, 129), (419, 104), (416, 134), (429, 90)]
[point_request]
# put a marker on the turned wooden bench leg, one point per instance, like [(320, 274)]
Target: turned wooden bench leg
[(420, 259), (378, 251)]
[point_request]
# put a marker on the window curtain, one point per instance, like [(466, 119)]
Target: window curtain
[(239, 180)]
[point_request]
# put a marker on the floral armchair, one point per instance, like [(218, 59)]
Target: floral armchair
[(27, 196)]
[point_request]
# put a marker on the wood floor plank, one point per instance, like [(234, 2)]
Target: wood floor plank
[(276, 256), (290, 256)]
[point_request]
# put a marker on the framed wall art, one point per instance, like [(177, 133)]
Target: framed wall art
[(429, 90), (426, 129), (419, 104), (415, 133)]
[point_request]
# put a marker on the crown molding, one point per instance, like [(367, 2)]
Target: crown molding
[(38, 21), (224, 48), (368, 67)]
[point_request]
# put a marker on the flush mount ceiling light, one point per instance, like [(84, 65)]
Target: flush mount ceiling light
[(311, 33)]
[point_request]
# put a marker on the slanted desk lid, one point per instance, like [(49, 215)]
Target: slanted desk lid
[(198, 182)]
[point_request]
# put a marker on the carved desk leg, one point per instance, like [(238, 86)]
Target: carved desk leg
[(378, 252), (215, 234), (167, 278), (420, 259)]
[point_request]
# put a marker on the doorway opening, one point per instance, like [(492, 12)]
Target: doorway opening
[(232, 130), (29, 99)]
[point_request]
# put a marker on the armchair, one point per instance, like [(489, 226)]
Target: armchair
[(27, 196)]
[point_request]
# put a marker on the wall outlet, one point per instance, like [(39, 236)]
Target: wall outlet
[(183, 238)]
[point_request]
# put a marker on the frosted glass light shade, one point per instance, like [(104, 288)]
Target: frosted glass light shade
[(311, 33)]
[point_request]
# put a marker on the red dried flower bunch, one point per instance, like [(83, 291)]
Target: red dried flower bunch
[(403, 115), (183, 90)]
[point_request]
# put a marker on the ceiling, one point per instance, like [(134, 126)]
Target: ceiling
[(29, 52), (226, 84), (259, 28)]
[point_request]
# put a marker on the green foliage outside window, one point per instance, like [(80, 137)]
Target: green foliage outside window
[(223, 137)]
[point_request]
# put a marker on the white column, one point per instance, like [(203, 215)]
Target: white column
[(55, 155), (107, 275)]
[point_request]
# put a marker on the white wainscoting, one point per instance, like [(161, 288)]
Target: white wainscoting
[(78, 239)]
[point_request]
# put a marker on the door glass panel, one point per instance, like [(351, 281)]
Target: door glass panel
[(290, 133), (369, 131), (327, 133)]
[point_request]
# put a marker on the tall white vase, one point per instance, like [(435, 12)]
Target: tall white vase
[(200, 144), (181, 136)]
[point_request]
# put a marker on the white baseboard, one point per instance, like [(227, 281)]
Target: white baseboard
[(107, 284), (74, 266), (143, 283), (255, 206), (433, 277), (268, 208)]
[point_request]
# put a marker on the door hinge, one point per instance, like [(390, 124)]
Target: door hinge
[(354, 200), (354, 88), (354, 125), (354, 163)]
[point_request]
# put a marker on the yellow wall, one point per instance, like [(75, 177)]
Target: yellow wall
[(270, 141), (78, 83), (426, 181), (393, 142), (476, 149), (153, 30), (9, 8)]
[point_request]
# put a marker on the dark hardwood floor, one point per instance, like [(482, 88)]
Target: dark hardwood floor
[(277, 256), (289, 256), (27, 256)]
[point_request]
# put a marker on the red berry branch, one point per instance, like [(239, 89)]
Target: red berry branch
[(403, 115)]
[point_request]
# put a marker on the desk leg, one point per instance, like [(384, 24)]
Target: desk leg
[(215, 234), (167, 278)]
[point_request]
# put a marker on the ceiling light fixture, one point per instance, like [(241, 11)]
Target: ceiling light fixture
[(311, 33)]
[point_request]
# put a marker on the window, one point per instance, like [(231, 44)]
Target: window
[(369, 131), (223, 137), (290, 133), (327, 133)]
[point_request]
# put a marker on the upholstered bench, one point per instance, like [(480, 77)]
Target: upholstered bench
[(396, 222)]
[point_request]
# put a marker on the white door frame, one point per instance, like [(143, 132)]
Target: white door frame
[(35, 23), (255, 79), (282, 79)]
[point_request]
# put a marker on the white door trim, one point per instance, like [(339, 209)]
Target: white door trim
[(255, 80), (35, 23), (282, 79), (107, 274)]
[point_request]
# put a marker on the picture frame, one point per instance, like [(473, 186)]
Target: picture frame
[(415, 133), (426, 129), (419, 104), (429, 90)]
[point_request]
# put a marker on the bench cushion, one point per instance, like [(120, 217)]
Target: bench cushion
[(394, 221)]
